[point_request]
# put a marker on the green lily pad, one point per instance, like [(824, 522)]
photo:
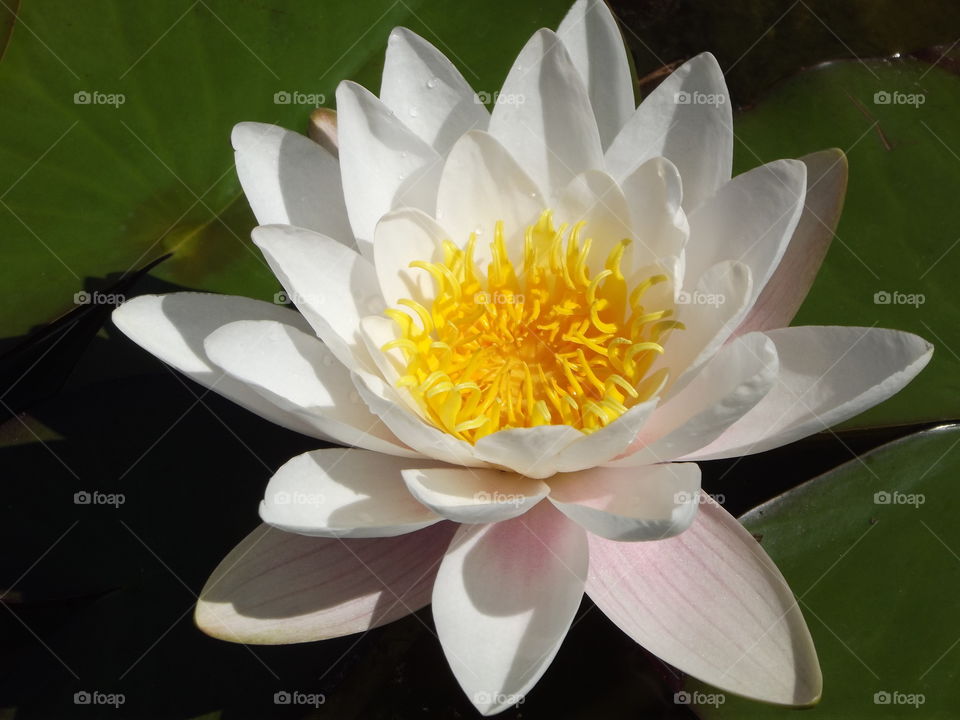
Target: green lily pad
[(122, 119), (897, 251), (872, 552)]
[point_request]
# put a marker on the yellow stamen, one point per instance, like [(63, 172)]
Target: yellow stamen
[(551, 344)]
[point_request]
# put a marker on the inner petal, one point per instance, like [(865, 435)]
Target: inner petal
[(552, 344)]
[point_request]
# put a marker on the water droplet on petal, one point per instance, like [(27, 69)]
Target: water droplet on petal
[(414, 112), (432, 83)]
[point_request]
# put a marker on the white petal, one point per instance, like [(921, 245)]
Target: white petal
[(481, 184), (290, 180), (751, 220), (591, 36), (696, 135), (543, 115), (827, 375), (627, 505), (330, 284), (276, 588), (727, 387), (710, 313), (173, 328), (595, 199), (788, 286), (384, 165), (295, 371), (503, 600), (606, 443), (711, 603), (342, 492), (427, 92), (403, 236), (410, 428), (654, 194), (474, 495), (529, 451)]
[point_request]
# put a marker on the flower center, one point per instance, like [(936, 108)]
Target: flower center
[(551, 345)]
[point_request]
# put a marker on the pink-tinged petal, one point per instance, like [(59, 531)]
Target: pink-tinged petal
[(631, 504), (276, 588), (711, 603), (786, 289), (504, 599), (474, 495), (827, 375)]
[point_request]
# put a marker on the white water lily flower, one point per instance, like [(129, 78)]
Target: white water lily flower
[(530, 322)]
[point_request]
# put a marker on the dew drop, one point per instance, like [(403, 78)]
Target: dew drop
[(432, 83), (414, 112)]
